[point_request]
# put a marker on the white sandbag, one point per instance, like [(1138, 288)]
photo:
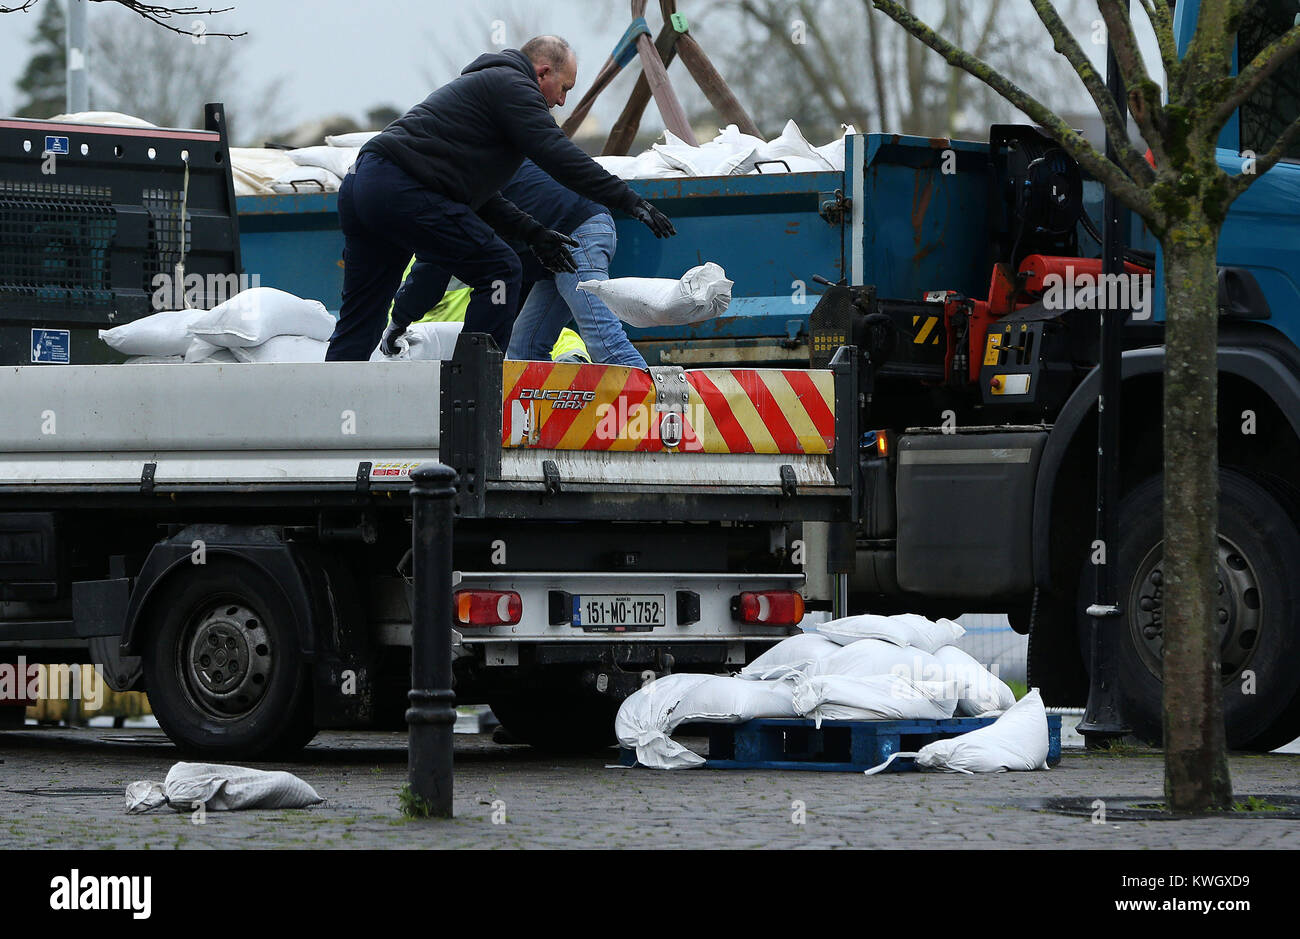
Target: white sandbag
[(791, 143), (903, 629), (644, 719), (221, 788), (875, 698), (424, 342), (338, 160), (1018, 740), (200, 350), (283, 349), (652, 165), (306, 179), (796, 654), (980, 692), (156, 360), (165, 333), (355, 139), (624, 167), (702, 293), (253, 316), (721, 157), (731, 137), (256, 168), (833, 152), (649, 715), (869, 657)]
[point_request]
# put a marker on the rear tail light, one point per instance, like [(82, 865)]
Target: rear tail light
[(768, 608), (488, 607)]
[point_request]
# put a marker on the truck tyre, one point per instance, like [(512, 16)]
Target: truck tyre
[(556, 722), (222, 665), (1259, 613)]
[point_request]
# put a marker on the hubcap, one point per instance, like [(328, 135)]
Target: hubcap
[(1238, 610), (227, 659)]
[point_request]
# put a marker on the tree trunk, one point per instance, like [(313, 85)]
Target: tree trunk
[(1196, 766)]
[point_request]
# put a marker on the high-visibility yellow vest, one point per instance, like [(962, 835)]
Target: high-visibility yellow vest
[(451, 308)]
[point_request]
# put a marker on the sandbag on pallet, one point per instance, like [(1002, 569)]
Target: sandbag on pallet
[(654, 711), (796, 654), (873, 698), (1019, 740), (903, 629)]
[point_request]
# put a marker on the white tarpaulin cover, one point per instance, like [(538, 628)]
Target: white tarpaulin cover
[(220, 788)]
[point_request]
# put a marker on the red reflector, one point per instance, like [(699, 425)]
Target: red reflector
[(770, 608), (488, 607)]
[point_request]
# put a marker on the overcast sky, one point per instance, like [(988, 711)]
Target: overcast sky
[(347, 56)]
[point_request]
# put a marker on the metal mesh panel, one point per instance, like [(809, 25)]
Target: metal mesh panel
[(167, 243), (54, 242)]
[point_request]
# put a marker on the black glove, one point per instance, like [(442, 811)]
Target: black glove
[(388, 343), (549, 246), (653, 219)]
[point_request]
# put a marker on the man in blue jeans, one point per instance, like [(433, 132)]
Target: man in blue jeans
[(429, 186), (554, 298)]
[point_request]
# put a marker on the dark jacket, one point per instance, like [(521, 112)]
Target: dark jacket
[(537, 194), (467, 139)]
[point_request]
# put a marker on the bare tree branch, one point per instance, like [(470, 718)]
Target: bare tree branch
[(1111, 115), (1263, 164), (1162, 22), (156, 13), (1110, 174), (877, 73), (1260, 70), (777, 28), (1143, 93)]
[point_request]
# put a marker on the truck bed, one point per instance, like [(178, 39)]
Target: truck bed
[(362, 427)]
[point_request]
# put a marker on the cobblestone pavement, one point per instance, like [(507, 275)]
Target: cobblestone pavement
[(64, 788)]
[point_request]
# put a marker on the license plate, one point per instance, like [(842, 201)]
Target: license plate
[(609, 612)]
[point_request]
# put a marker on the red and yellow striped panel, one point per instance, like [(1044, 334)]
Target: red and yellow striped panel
[(567, 406)]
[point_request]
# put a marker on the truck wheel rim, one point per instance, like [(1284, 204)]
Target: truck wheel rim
[(227, 659), (1239, 610)]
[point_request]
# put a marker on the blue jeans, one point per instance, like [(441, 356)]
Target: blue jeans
[(553, 302)]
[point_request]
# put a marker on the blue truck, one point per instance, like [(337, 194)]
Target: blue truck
[(978, 479)]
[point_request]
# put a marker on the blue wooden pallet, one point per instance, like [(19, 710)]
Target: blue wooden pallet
[(838, 746)]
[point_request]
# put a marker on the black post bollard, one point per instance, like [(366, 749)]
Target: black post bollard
[(1103, 720), (432, 713)]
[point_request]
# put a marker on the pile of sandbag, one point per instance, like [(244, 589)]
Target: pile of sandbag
[(260, 324), (261, 171), (702, 293), (731, 153), (866, 667)]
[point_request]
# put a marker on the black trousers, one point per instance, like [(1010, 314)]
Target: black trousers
[(386, 218)]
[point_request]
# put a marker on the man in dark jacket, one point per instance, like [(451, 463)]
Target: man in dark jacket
[(555, 297), (429, 186)]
